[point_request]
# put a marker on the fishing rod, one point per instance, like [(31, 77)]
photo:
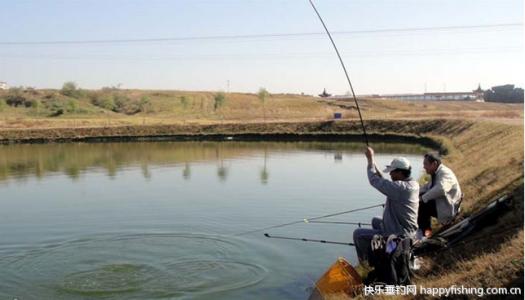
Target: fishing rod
[(309, 220), (344, 69), (307, 240), (359, 224)]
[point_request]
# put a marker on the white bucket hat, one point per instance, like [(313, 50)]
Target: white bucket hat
[(398, 163)]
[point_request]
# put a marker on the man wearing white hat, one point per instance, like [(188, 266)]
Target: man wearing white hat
[(401, 206)]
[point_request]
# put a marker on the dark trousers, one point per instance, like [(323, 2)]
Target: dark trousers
[(425, 213)]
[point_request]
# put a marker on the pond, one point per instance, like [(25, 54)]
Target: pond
[(161, 220)]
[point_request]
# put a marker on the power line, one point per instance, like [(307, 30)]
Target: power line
[(253, 36), (272, 56)]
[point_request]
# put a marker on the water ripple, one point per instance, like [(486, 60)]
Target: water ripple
[(164, 265)]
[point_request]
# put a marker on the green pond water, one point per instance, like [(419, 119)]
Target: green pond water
[(160, 220)]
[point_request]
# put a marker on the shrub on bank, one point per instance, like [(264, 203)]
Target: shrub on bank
[(15, 100), (56, 108), (120, 103), (219, 100), (18, 96)]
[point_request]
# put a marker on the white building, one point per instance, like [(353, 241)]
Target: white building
[(475, 95), (3, 85)]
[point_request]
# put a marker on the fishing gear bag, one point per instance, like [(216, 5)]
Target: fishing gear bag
[(390, 259)]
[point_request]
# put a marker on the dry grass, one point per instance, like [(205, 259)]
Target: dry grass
[(168, 108)]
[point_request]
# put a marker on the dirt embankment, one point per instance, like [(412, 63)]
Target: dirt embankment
[(487, 157)]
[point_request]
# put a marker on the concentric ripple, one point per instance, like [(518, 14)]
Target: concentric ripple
[(108, 279), (131, 266)]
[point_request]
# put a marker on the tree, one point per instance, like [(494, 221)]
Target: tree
[(262, 94), (70, 89), (219, 100)]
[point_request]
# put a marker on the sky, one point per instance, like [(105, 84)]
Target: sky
[(403, 46)]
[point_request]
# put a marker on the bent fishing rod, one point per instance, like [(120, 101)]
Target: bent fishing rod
[(364, 134), (344, 69)]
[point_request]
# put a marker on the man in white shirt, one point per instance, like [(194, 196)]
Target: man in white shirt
[(440, 197)]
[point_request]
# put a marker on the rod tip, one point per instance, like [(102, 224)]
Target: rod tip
[(306, 220)]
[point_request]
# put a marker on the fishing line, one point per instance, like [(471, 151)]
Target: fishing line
[(344, 69), (308, 220)]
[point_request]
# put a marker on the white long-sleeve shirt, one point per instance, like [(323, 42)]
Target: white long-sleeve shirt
[(445, 190)]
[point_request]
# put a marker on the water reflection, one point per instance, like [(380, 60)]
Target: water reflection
[(23, 161), (63, 236), (264, 172), (338, 156), (186, 172)]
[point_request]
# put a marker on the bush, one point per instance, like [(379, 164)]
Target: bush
[(107, 103), (72, 106), (36, 104), (121, 103), (15, 100), (145, 105), (28, 103), (103, 101), (56, 107)]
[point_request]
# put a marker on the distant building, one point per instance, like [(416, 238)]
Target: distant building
[(3, 85), (479, 92), (475, 95), (325, 94)]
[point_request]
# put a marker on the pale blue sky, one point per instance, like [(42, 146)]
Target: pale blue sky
[(454, 59)]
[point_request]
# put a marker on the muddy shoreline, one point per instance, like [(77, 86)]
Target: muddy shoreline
[(425, 133), (284, 137)]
